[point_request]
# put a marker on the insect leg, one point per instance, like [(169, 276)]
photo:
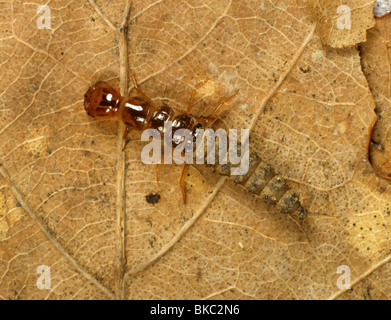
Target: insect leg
[(209, 118), (124, 137), (158, 173), (182, 182), (138, 89), (134, 81), (193, 94)]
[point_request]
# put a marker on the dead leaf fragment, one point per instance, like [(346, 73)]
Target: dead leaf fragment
[(342, 24), (376, 53)]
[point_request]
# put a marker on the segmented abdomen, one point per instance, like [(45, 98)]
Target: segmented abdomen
[(262, 180)]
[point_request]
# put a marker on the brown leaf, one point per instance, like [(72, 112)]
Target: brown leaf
[(376, 66), (342, 24), (71, 199)]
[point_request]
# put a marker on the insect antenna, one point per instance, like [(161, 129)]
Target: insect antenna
[(209, 119)]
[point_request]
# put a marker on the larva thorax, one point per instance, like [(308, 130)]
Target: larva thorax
[(103, 101)]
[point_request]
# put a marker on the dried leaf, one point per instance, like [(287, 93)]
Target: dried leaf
[(342, 24), (376, 66), (73, 200)]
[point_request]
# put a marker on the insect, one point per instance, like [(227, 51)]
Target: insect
[(137, 111)]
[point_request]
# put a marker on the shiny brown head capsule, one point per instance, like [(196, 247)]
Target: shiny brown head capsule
[(102, 101)]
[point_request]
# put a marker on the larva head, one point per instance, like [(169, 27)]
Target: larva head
[(102, 101)]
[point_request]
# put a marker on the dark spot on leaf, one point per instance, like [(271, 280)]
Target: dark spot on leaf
[(152, 198)]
